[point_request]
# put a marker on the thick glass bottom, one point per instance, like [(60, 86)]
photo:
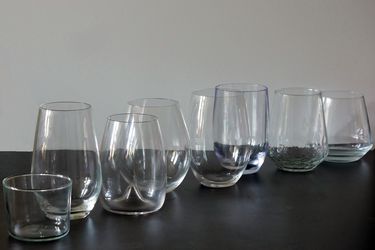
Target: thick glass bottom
[(225, 182), (39, 236)]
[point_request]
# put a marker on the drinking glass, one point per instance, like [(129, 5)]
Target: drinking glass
[(133, 163), (174, 133), (37, 206), (348, 128), (204, 164), (298, 141), (231, 134), (65, 143)]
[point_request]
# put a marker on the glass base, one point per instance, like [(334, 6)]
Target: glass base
[(121, 212), (350, 152), (296, 170), (38, 237), (216, 184), (251, 169), (79, 215)]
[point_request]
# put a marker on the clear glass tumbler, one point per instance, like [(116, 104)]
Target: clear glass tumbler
[(231, 134), (65, 143), (174, 132), (298, 141), (133, 163), (348, 128), (204, 163), (37, 206)]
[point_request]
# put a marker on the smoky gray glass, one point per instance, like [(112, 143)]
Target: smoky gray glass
[(37, 206), (133, 165), (348, 127), (298, 140), (65, 143)]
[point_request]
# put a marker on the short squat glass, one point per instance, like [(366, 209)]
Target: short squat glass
[(348, 128), (65, 143), (133, 163), (37, 206), (174, 133), (298, 141)]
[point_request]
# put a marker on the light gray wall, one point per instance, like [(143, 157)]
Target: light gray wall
[(108, 52)]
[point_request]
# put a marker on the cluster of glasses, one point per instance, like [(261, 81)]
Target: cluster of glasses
[(143, 155), (146, 152)]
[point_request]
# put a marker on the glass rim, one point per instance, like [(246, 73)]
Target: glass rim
[(163, 102), (49, 106), (342, 94), (298, 91), (207, 92), (59, 176), (244, 87), (111, 118)]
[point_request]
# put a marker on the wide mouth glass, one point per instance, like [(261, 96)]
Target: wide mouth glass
[(37, 182), (153, 102), (298, 91), (132, 118), (65, 106), (241, 87), (342, 94)]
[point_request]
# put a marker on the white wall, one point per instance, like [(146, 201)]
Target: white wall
[(108, 52)]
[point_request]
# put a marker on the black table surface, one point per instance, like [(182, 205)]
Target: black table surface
[(332, 207)]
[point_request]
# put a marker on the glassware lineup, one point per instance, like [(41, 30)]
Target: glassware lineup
[(147, 152)]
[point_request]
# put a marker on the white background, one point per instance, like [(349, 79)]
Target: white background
[(108, 52)]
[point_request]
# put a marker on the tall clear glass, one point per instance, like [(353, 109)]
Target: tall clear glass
[(204, 163), (174, 133), (348, 127), (298, 141), (133, 164), (231, 134), (65, 143)]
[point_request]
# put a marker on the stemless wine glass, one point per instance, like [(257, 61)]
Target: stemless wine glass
[(174, 133), (232, 140), (348, 128), (65, 143), (133, 165), (204, 164), (298, 141)]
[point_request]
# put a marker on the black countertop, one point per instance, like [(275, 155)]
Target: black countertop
[(332, 207)]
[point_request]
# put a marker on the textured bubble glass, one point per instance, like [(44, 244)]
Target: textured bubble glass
[(298, 139)]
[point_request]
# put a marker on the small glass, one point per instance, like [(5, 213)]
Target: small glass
[(37, 206), (174, 132), (133, 163), (298, 141), (65, 143), (348, 128)]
